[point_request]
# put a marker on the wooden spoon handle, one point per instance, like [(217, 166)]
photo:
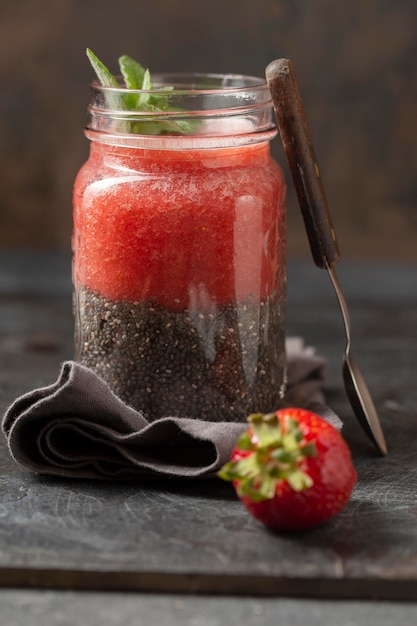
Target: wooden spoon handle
[(298, 147)]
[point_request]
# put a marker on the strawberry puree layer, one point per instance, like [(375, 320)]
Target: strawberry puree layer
[(185, 228)]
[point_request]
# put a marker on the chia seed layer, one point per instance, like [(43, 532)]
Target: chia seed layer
[(218, 365)]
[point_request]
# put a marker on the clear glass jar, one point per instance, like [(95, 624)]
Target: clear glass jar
[(179, 257)]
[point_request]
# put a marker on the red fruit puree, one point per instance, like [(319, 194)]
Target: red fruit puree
[(186, 228)]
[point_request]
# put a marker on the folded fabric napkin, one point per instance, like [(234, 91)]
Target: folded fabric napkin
[(78, 428)]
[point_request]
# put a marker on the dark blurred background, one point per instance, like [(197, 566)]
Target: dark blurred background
[(356, 63)]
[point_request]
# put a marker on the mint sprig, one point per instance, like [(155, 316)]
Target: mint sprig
[(137, 78)]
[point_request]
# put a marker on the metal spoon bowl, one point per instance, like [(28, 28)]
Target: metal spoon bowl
[(355, 385), (305, 172)]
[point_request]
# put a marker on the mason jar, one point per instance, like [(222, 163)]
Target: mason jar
[(179, 249)]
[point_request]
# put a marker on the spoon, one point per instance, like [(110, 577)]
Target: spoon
[(296, 140)]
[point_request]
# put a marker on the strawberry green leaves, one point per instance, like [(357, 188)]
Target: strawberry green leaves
[(139, 95), (271, 452)]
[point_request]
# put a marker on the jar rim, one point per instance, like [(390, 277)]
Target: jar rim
[(194, 105), (194, 82)]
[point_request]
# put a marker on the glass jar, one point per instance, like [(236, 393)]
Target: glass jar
[(179, 257)]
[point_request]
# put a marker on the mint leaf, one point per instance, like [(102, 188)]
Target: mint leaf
[(136, 78), (103, 73), (107, 79), (185, 126), (132, 72), (148, 85)]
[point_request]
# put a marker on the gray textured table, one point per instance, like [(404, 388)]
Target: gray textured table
[(60, 537)]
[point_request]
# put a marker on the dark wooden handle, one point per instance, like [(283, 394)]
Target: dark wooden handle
[(298, 147)]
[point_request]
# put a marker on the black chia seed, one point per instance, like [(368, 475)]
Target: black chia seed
[(217, 365)]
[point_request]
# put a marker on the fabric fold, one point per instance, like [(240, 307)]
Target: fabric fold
[(78, 428)]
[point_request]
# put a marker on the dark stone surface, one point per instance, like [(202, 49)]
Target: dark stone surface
[(196, 537), (57, 608)]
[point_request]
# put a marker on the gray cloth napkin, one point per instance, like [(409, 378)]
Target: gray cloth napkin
[(78, 428)]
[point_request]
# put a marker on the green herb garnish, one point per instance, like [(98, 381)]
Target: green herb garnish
[(136, 78)]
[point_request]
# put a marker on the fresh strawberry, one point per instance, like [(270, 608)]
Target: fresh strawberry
[(291, 469)]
